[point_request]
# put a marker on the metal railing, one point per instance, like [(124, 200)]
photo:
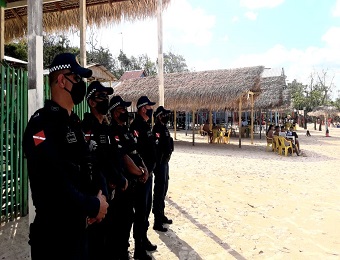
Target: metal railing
[(13, 115)]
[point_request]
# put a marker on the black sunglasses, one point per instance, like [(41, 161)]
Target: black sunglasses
[(77, 78)]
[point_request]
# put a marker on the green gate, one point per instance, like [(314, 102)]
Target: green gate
[(13, 114)]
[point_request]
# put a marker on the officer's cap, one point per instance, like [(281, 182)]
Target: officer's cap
[(96, 86), (68, 61), (117, 101), (161, 110), (143, 101)]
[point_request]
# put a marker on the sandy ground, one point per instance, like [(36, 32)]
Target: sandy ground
[(241, 203)]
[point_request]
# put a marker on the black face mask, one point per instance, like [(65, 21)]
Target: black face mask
[(123, 117), (103, 107), (165, 119), (149, 113), (77, 92)]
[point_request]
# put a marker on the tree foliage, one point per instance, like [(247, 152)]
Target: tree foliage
[(316, 93), (17, 50), (174, 63), (55, 44)]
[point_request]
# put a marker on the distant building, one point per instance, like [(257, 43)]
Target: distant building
[(133, 74)]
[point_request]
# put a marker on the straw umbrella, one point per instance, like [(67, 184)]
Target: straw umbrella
[(63, 15)]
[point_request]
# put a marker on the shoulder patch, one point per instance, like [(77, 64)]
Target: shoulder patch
[(39, 137)]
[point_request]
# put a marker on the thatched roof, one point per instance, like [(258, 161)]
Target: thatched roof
[(187, 91), (324, 110), (61, 16), (272, 94)]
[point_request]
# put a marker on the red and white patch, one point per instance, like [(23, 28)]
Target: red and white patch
[(117, 138), (88, 135), (158, 135), (135, 133), (39, 137)]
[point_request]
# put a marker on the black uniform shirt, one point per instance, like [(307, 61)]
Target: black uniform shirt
[(56, 154), (127, 144), (107, 159), (146, 146), (164, 142)]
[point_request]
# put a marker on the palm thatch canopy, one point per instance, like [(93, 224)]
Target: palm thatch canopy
[(62, 16), (324, 110), (187, 91), (272, 94)]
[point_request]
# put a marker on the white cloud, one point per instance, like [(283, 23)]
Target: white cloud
[(225, 38), (332, 37), (186, 25), (297, 64), (251, 15), (336, 10), (256, 4), (235, 19)]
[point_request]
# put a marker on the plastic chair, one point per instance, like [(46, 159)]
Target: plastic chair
[(278, 147), (216, 136), (225, 136), (270, 144), (285, 145)]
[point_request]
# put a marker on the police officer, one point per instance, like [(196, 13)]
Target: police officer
[(141, 129), (57, 161), (164, 148), (135, 171), (106, 157)]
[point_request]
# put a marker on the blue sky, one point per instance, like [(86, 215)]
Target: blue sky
[(301, 36)]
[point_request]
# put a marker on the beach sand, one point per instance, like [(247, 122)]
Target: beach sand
[(241, 203)]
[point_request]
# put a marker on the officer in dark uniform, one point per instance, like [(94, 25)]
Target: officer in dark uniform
[(106, 157), (146, 147), (62, 183), (135, 171), (164, 148)]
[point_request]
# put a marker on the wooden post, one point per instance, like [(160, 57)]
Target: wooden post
[(239, 121), (175, 123), (160, 53), (34, 67), (252, 119), (193, 127), (82, 27), (2, 33)]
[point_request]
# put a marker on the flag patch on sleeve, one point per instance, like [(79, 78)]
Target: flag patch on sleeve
[(39, 137), (158, 135), (135, 133)]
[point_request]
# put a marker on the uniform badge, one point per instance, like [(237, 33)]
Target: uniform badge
[(135, 133), (102, 139), (39, 137), (71, 137)]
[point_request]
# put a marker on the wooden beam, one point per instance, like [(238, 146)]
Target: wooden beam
[(2, 33), (23, 3)]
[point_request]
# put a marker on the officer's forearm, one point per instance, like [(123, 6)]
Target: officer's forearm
[(131, 166)]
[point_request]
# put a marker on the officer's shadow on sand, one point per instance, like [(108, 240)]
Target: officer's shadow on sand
[(182, 249)]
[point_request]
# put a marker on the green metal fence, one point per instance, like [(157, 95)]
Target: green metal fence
[(13, 114), (14, 117)]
